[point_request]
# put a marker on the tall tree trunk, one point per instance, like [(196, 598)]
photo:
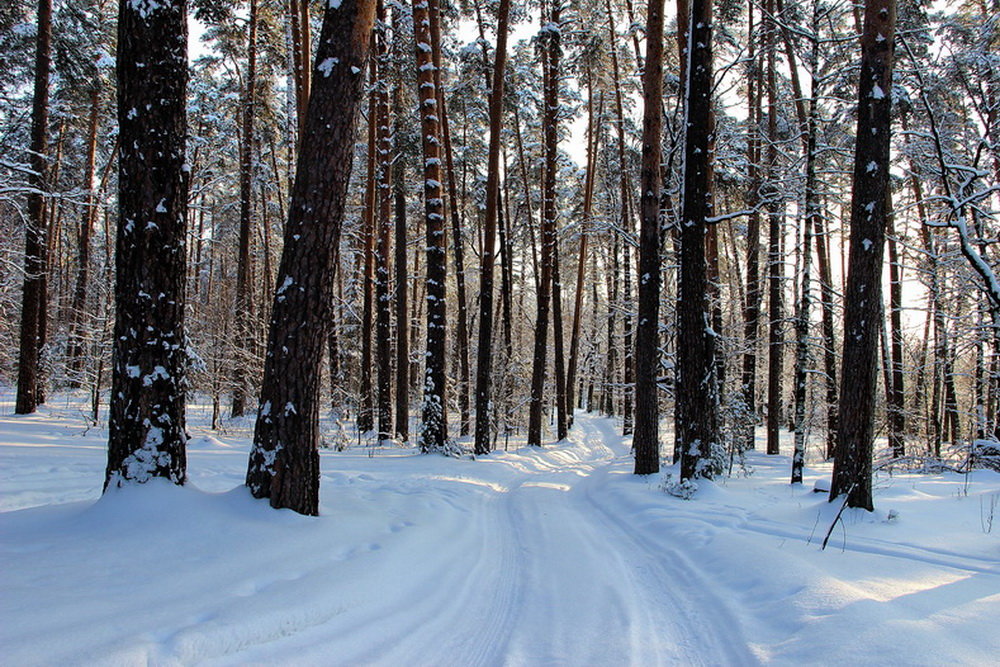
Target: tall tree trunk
[(852, 469), (646, 440), (550, 39), (35, 260), (808, 122), (829, 334), (484, 371), (434, 427), (611, 366), (462, 319), (625, 229), (402, 429), (775, 259), (383, 305), (366, 407), (751, 310), (802, 319), (146, 433), (284, 460), (696, 422), (244, 293)]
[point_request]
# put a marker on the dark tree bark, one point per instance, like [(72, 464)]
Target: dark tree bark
[(852, 470), (383, 305), (697, 406), (402, 317), (802, 323), (484, 371), (403, 364), (808, 122), (751, 309), (775, 259), (244, 291), (35, 257), (896, 395), (558, 351), (146, 433), (829, 334), (434, 427), (646, 440), (461, 311), (298, 18), (549, 38), (366, 407), (284, 460)]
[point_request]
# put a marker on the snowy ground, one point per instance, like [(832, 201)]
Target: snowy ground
[(553, 556)]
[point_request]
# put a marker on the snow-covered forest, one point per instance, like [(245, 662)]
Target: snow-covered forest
[(577, 332)]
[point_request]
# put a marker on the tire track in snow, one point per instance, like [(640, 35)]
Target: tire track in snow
[(706, 629)]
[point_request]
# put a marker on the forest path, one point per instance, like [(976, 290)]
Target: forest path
[(548, 575), (511, 559)]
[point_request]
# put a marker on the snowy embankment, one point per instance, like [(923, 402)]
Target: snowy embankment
[(550, 556)]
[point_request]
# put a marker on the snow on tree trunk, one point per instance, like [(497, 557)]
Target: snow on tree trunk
[(646, 439), (146, 427), (284, 461), (852, 472), (434, 426), (697, 390), (484, 371), (549, 38)]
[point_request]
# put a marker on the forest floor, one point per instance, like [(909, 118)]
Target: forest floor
[(554, 555)]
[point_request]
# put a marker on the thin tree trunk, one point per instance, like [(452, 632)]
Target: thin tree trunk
[(751, 310), (775, 259), (896, 395), (366, 409), (402, 322), (829, 334), (593, 143), (84, 241), (625, 224), (484, 371), (383, 331)]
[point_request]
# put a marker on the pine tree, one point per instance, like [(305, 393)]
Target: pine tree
[(147, 435), (697, 389), (852, 472), (484, 371), (646, 440), (434, 426), (284, 460), (33, 311), (550, 39)]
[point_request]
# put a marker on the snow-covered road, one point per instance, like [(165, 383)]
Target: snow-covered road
[(551, 556)]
